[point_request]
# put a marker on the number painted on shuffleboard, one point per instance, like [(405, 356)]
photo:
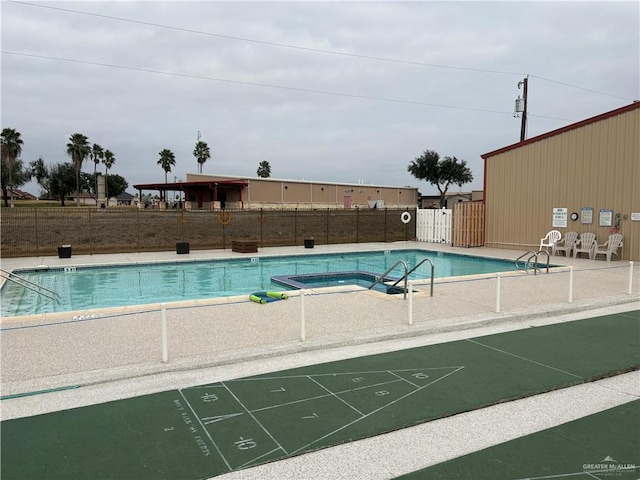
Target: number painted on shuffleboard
[(382, 393), (168, 429), (313, 415), (420, 375), (247, 444)]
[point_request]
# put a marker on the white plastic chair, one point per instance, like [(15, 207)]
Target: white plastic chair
[(566, 244), (550, 240), (610, 247), (585, 244)]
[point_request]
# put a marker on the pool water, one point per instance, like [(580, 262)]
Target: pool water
[(320, 280), (94, 287)]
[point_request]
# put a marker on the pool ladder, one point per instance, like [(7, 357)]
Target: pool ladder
[(34, 287), (531, 263), (407, 272)]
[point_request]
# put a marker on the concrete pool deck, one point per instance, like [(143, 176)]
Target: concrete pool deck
[(119, 355)]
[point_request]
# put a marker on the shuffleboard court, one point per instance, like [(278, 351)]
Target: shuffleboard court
[(602, 446), (206, 430)]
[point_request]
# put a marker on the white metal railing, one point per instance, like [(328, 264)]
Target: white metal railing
[(324, 313)]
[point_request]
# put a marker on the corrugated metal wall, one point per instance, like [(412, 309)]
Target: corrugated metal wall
[(596, 165)]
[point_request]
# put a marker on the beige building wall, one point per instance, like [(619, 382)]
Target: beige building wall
[(279, 193), (594, 163)]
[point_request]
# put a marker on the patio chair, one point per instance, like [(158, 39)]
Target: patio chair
[(610, 247), (565, 244), (550, 240), (585, 244)]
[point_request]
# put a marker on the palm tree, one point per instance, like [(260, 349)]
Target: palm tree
[(11, 149), (264, 169), (202, 154), (78, 149), (167, 160), (97, 154), (108, 159)]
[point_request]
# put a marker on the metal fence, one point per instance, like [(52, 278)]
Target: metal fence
[(110, 344), (39, 232)]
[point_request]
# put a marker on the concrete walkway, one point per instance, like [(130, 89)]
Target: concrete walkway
[(118, 355)]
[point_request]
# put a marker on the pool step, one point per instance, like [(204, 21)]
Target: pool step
[(394, 289)]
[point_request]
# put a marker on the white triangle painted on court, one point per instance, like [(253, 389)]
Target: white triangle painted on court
[(210, 420)]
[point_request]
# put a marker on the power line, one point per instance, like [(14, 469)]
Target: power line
[(316, 50), (264, 42), (266, 85), (581, 88)]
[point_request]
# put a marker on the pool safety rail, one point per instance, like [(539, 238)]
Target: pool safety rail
[(409, 289), (29, 285), (205, 333), (531, 263), (404, 278)]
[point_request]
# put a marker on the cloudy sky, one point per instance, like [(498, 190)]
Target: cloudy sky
[(327, 91)]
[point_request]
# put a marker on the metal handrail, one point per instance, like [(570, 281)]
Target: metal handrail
[(528, 260), (548, 258), (534, 263), (381, 277), (34, 287), (415, 268)]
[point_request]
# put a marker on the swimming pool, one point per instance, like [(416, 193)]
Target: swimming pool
[(95, 287)]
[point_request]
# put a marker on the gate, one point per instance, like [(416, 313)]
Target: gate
[(433, 225), (468, 224)]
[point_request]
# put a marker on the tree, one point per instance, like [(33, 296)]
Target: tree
[(97, 154), (78, 149), (202, 154), (440, 172), (108, 159), (11, 145), (115, 184), (13, 177), (41, 173), (264, 169), (62, 177), (166, 161)]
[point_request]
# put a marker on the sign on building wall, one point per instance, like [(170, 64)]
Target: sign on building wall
[(635, 217), (606, 217), (559, 217), (586, 215)]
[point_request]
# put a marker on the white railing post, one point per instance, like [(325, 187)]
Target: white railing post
[(570, 284), (303, 334), (498, 292), (410, 286), (165, 348), (630, 289)]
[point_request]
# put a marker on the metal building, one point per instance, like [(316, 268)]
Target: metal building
[(584, 177)]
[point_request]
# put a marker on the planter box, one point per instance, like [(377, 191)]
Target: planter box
[(64, 251), (182, 247), (244, 245)]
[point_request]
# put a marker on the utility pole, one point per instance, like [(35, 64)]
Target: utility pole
[(523, 125)]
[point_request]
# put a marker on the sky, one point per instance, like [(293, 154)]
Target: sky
[(324, 91)]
